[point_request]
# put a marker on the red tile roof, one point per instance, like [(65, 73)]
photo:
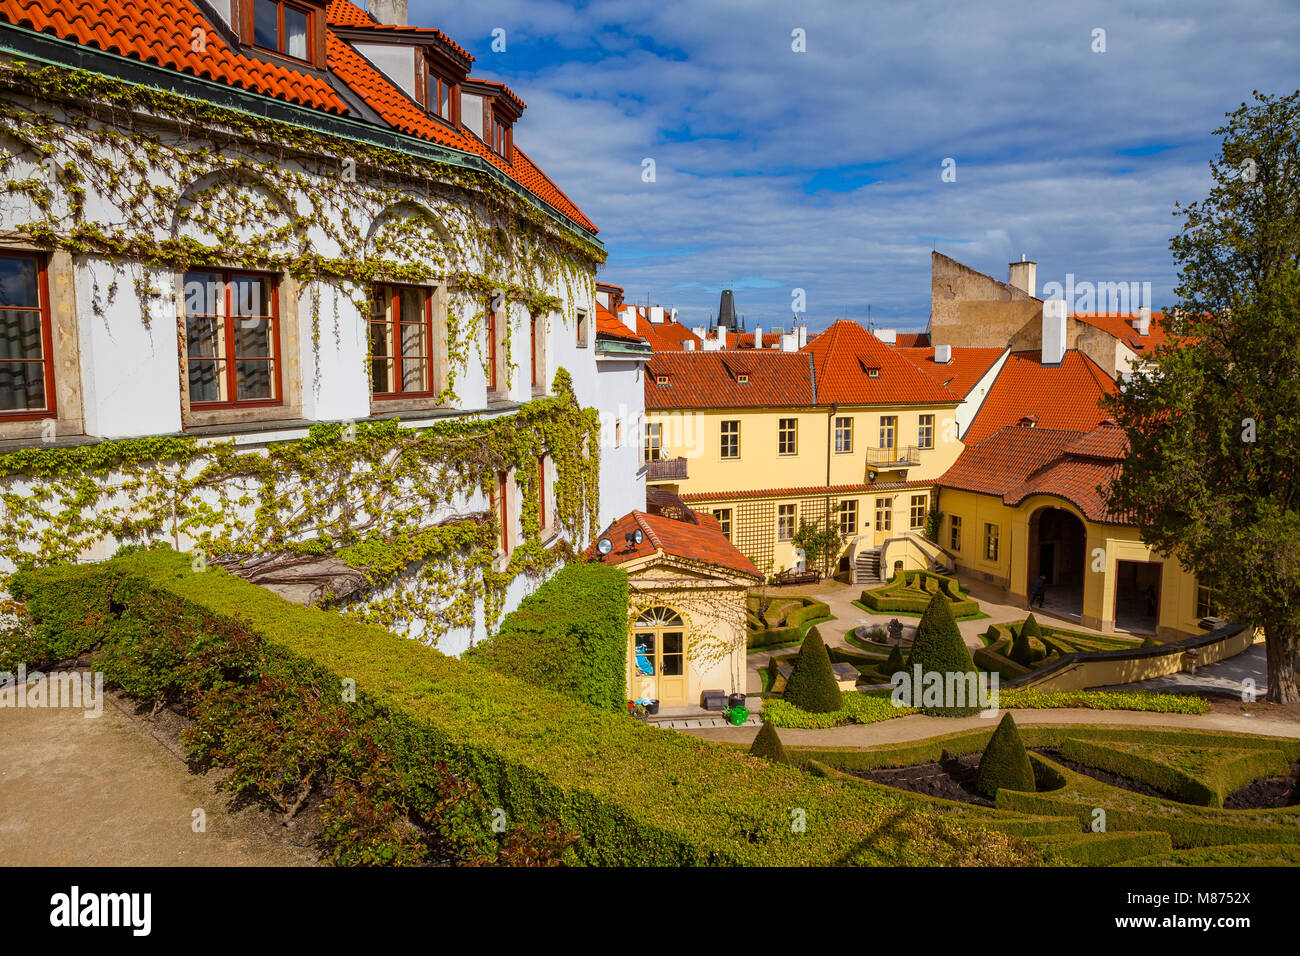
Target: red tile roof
[(1019, 461), (1057, 396), (404, 114), (1120, 326), (845, 352), (666, 336), (703, 542), (163, 33), (808, 491), (712, 380), (967, 367), (745, 340), (608, 327), (917, 340)]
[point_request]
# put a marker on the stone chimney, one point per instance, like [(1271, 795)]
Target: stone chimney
[(943, 354), (1053, 331), (1142, 324), (1024, 275), (391, 12)]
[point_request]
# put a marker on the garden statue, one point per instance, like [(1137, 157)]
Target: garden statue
[(896, 632)]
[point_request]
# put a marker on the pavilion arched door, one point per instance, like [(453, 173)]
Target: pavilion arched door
[(658, 651)]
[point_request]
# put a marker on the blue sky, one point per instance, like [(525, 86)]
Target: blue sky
[(777, 170)]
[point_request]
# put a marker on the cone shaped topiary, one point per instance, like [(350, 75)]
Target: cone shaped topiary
[(1028, 646), (1005, 764), (812, 686), (768, 745), (1031, 628), (895, 663), (939, 649)]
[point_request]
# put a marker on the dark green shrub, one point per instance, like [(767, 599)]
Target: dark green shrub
[(939, 648), (895, 662), (569, 635), (812, 686), (1005, 764), (768, 745)]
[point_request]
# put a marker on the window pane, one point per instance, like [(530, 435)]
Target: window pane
[(444, 109), (253, 338), (413, 378), (253, 380), (18, 283), (381, 375), (205, 380), (266, 24), (673, 658), (22, 386), (295, 32), (250, 297), (203, 293), (203, 334), (381, 334), (645, 655), (20, 334), (413, 339)]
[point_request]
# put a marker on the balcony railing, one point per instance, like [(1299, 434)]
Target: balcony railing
[(666, 469), (900, 455)]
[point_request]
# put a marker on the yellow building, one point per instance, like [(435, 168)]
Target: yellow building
[(686, 605), (1025, 503), (846, 430)]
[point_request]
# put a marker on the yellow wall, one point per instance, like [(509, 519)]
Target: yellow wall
[(1105, 547), (697, 436)]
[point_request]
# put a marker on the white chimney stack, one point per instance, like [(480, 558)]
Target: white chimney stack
[(758, 336), (803, 336), (689, 345), (391, 12), (1143, 321), (888, 335), (789, 342), (698, 332), (1053, 331), (943, 354), (629, 318), (657, 315), (1023, 275), (674, 315)]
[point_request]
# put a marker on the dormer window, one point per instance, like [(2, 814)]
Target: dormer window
[(283, 28), (873, 373), (742, 379), (661, 379), (440, 96), (500, 139)]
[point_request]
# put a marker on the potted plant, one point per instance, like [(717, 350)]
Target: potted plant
[(637, 710)]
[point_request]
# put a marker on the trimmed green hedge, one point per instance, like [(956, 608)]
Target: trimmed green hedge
[(794, 623), (633, 794), (911, 591), (569, 635)]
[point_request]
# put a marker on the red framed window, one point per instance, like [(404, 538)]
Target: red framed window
[(501, 507), (401, 342), (231, 336), (441, 94), (283, 27), (537, 372), (541, 491), (501, 138), (491, 347), (26, 342)]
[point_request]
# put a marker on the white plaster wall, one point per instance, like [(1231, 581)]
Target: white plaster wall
[(335, 386), (621, 397), (970, 406), (130, 369), (397, 63)]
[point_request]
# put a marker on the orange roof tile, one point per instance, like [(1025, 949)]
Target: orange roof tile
[(1057, 396), (702, 541), (163, 33), (713, 380), (844, 355), (912, 340), (968, 365), (609, 327), (1019, 461), (1120, 326)]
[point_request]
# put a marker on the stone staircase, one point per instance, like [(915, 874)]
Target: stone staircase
[(866, 567)]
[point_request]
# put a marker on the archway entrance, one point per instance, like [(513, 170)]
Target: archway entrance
[(1137, 596), (658, 649), (1058, 545)]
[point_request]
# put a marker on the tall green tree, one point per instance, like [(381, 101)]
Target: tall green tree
[(1212, 474)]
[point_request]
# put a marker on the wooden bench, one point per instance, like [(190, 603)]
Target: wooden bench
[(797, 577)]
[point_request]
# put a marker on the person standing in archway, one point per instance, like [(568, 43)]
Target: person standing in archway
[(1040, 591)]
